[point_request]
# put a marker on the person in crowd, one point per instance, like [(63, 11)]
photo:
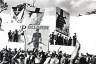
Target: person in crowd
[(57, 39), (70, 41), (5, 61), (65, 41), (51, 40), (83, 59), (60, 40), (75, 53), (9, 36), (53, 37), (15, 36), (18, 58), (59, 56), (74, 39), (93, 60), (38, 56), (63, 59), (87, 58)]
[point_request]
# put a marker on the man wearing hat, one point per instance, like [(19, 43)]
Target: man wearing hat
[(36, 39)]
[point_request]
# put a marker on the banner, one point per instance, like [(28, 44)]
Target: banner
[(62, 21), (17, 14), (33, 16), (36, 36)]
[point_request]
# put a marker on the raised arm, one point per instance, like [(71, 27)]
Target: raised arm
[(75, 53), (17, 53)]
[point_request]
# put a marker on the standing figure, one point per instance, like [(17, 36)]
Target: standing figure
[(65, 41), (70, 41), (74, 39), (60, 39), (9, 36), (15, 36), (51, 41), (57, 39), (36, 39), (53, 38)]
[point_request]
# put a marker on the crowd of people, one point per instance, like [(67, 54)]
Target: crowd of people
[(38, 56), (60, 39)]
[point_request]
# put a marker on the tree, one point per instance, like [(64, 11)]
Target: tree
[(3, 6)]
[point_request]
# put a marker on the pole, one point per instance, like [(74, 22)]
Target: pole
[(25, 40)]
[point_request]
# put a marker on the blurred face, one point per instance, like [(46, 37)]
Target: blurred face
[(9, 30), (75, 34), (37, 30)]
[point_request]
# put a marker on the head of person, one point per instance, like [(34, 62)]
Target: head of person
[(82, 54), (74, 34), (60, 34), (16, 30), (21, 56), (9, 30), (57, 33), (15, 49), (65, 37), (70, 38), (87, 54), (10, 49), (52, 32), (37, 30), (64, 54), (53, 54)]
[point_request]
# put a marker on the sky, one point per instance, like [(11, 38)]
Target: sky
[(74, 7)]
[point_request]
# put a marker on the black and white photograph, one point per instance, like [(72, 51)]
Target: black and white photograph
[(33, 16), (62, 21), (47, 31), (36, 36)]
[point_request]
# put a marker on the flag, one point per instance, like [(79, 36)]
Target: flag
[(17, 14)]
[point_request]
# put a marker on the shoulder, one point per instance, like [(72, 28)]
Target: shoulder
[(40, 33)]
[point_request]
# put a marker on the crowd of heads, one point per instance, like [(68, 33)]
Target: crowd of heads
[(7, 56), (61, 39), (38, 56)]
